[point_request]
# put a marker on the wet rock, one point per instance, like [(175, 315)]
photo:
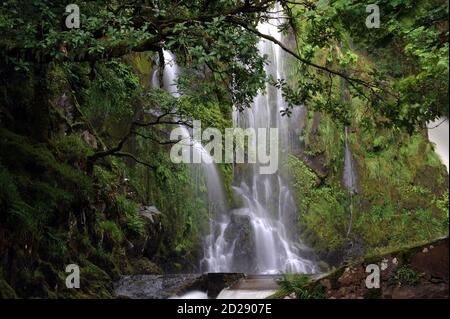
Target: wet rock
[(423, 291), (327, 284), (291, 296), (89, 139), (147, 244), (66, 104), (432, 260), (353, 250), (149, 212), (157, 286), (216, 282), (318, 163), (240, 231), (353, 276), (144, 266)]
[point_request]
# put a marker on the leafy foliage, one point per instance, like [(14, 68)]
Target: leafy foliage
[(298, 284), (405, 275), (62, 203)]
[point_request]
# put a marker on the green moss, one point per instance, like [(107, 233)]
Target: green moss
[(106, 262), (112, 230), (71, 147), (145, 266), (432, 157), (226, 171), (399, 180), (95, 282), (396, 200), (33, 284), (35, 183), (405, 275), (22, 153), (302, 179), (412, 147), (322, 213), (443, 205), (300, 284), (135, 223), (105, 179), (142, 64)]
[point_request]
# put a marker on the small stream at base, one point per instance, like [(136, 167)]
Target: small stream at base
[(196, 286)]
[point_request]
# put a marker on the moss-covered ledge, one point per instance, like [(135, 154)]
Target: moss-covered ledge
[(415, 271)]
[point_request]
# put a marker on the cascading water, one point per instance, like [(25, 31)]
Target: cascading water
[(349, 174), (207, 168), (349, 178), (255, 238), (438, 134), (269, 205)]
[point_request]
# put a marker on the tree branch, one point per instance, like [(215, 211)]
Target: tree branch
[(129, 155), (298, 57), (156, 140), (117, 150)]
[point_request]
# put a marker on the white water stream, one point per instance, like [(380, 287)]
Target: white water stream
[(270, 244), (207, 167), (438, 134), (269, 207)]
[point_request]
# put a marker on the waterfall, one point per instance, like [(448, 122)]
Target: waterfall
[(256, 238), (349, 174), (207, 168), (218, 254), (438, 134), (349, 178)]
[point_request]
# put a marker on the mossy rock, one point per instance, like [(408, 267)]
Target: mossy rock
[(106, 262), (145, 266), (142, 64), (94, 283)]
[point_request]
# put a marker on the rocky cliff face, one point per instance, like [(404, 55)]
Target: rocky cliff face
[(402, 188)]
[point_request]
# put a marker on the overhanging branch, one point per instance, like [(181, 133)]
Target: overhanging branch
[(298, 57)]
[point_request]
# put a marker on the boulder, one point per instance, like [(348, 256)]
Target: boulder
[(432, 260), (240, 232)]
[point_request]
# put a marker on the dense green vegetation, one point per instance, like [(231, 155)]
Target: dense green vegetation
[(402, 186), (84, 144)]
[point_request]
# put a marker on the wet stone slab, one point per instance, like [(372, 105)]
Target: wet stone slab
[(157, 286)]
